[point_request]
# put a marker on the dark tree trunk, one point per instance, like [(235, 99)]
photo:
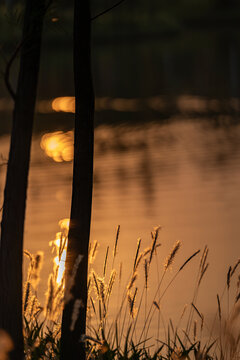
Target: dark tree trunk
[(12, 226), (227, 4), (79, 230)]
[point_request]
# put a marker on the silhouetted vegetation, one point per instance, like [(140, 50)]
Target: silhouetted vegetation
[(128, 330)]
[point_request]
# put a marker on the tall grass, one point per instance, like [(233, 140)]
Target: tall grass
[(131, 326)]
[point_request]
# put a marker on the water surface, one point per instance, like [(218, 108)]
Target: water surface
[(167, 152), (182, 175)]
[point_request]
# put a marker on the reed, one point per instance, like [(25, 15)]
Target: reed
[(127, 329)]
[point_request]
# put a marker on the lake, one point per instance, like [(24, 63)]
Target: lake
[(167, 152)]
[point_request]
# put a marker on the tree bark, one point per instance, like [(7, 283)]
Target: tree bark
[(80, 220), (12, 225)]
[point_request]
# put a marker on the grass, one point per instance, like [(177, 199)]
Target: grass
[(128, 330)]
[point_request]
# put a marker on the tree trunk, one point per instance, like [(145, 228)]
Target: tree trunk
[(227, 4), (12, 226), (79, 230)]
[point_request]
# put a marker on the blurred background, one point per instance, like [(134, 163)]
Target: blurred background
[(167, 132)]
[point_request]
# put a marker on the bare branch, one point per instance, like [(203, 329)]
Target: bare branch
[(13, 57), (8, 68), (107, 10)]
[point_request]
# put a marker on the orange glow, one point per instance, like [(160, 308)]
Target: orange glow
[(67, 104), (64, 104), (184, 104), (117, 104), (58, 145), (60, 247)]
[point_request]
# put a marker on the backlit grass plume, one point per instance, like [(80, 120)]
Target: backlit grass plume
[(125, 315), (171, 256)]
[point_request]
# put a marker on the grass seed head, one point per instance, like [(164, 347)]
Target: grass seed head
[(95, 284), (102, 286), (116, 241), (93, 252), (132, 281), (171, 256), (132, 302), (146, 272), (136, 255), (111, 282), (26, 297), (204, 259), (154, 234)]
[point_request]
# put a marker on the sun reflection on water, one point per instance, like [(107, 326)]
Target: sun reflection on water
[(59, 245), (64, 104), (58, 145)]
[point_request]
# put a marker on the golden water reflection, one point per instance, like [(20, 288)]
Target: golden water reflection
[(183, 104), (59, 245), (58, 145), (67, 104), (183, 175), (64, 104)]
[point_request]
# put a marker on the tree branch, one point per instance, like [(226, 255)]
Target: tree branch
[(8, 68), (107, 10), (13, 57)]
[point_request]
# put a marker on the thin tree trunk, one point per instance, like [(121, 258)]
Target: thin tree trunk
[(80, 221), (12, 226)]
